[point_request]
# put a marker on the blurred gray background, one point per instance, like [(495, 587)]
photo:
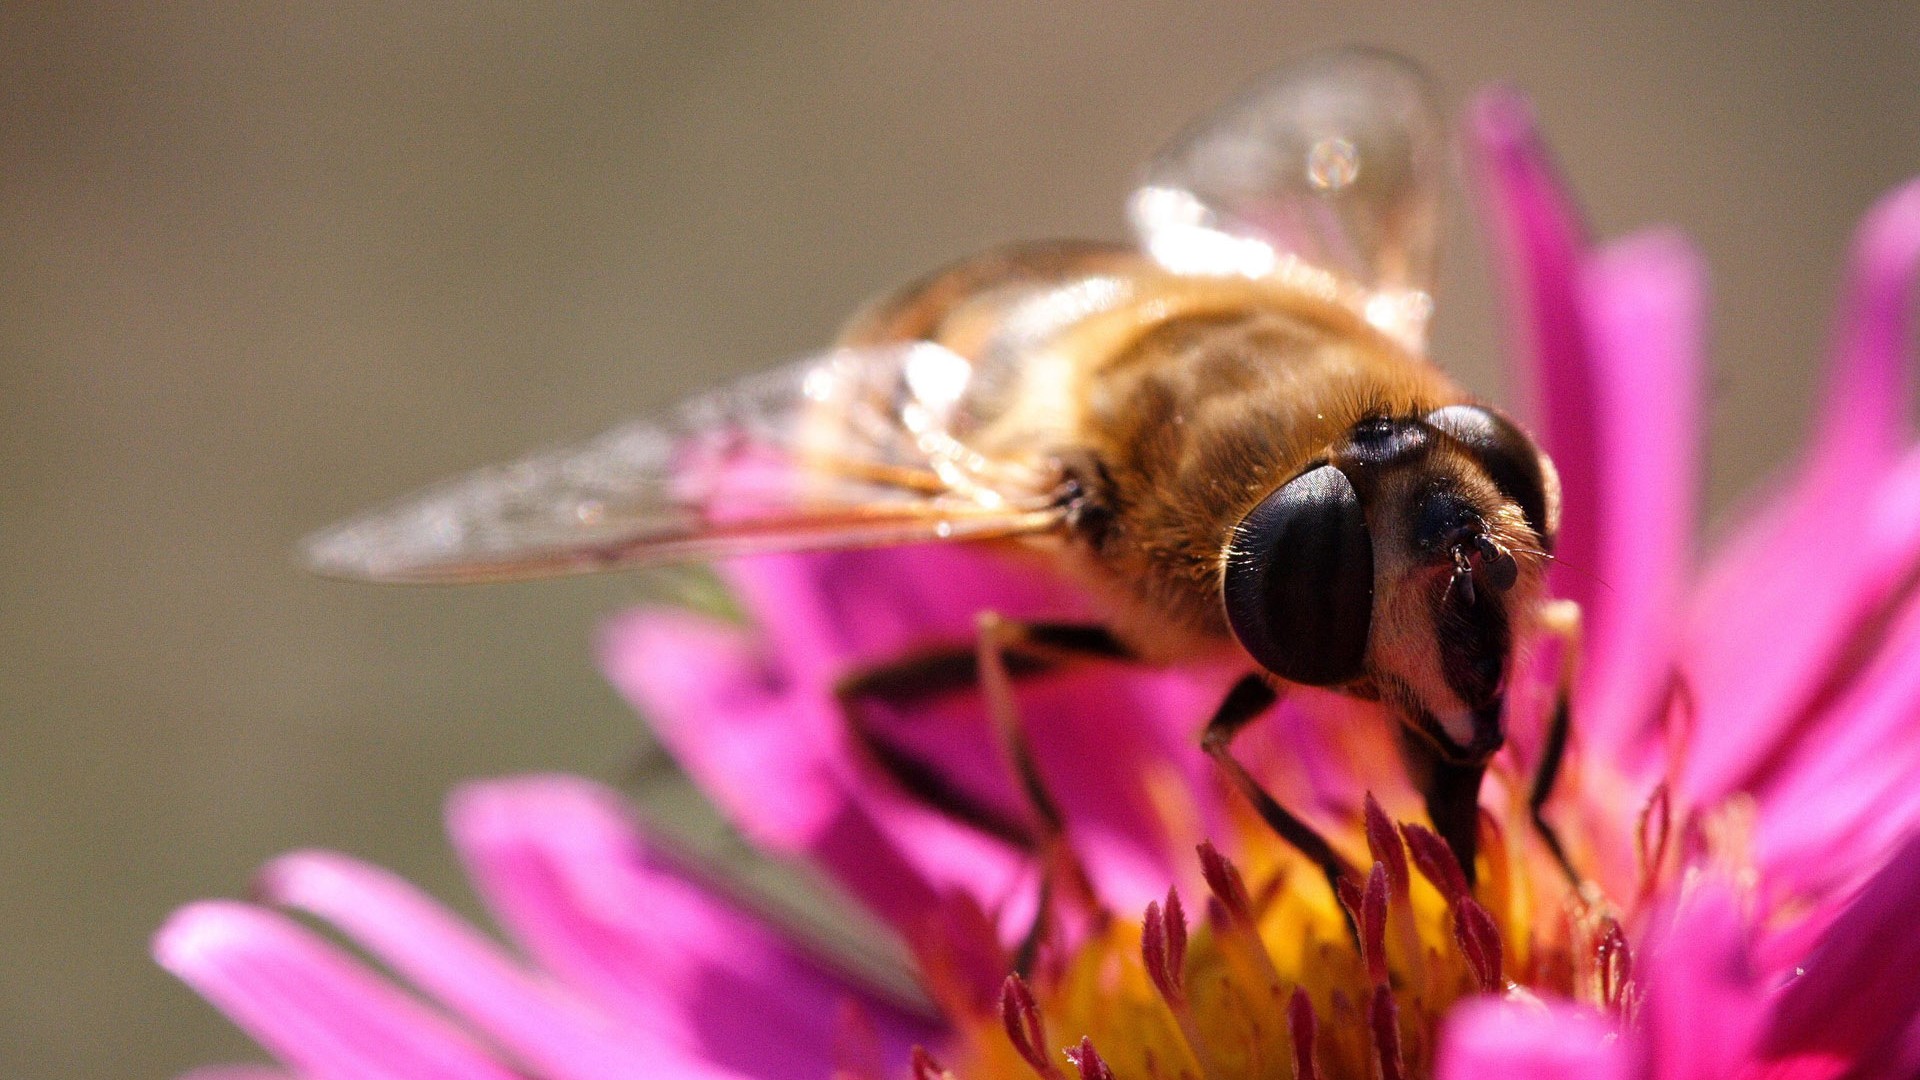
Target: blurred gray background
[(259, 268)]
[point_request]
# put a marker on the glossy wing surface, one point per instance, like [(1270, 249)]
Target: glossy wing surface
[(1329, 171), (853, 448)]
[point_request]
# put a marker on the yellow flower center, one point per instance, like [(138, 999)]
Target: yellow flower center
[(1273, 976)]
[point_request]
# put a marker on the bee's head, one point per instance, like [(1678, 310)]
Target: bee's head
[(1402, 565)]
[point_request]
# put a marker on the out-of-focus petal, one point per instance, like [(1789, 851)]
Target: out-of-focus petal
[(321, 1013), (1704, 999), (1645, 300), (1783, 605), (1863, 422), (1486, 1037), (237, 1072), (560, 864), (554, 1033), (1609, 348), (1858, 996)]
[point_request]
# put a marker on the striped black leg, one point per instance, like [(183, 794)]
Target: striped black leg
[(1563, 621), (1024, 649), (1247, 701)]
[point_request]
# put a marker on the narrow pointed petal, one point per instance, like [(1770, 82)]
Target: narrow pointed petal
[(560, 864), (1862, 422), (1645, 300), (1857, 998), (553, 1032), (324, 1015), (1485, 1037), (1609, 348)]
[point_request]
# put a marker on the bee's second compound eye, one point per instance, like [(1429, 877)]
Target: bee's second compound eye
[(1299, 580), (1512, 462)]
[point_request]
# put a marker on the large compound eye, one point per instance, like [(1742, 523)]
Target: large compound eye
[(1512, 462), (1299, 580)]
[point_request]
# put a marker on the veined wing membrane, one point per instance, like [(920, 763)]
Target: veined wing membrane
[(850, 449), (1327, 173)]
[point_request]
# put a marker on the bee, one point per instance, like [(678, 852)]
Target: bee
[(1228, 431)]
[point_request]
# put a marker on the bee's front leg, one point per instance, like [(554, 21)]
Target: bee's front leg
[(1561, 619), (1247, 701), (1004, 650)]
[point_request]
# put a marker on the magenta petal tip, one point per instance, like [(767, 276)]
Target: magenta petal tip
[(198, 934), (1500, 118)]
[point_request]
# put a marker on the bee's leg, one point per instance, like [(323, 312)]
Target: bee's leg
[(1249, 698), (1059, 865), (1561, 619), (1027, 649), (916, 679)]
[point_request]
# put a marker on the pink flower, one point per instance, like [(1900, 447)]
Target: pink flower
[(1741, 797)]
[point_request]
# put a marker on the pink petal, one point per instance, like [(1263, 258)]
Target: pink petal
[(1785, 625), (1704, 999), (322, 1014), (1645, 300), (1485, 1037), (1846, 794), (555, 1034), (1858, 997), (1610, 351), (1863, 417), (1773, 621), (237, 1072), (721, 705), (561, 865)]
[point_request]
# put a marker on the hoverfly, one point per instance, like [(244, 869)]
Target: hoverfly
[(1228, 431)]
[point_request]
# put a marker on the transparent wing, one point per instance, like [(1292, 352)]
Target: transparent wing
[(853, 448), (1328, 170)]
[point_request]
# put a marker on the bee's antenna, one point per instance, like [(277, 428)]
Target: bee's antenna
[(1557, 560)]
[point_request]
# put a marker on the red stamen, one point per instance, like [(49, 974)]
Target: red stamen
[(1613, 960), (1435, 861), (1384, 1020), (1154, 953), (1384, 842), (1650, 836), (1228, 886), (1092, 1066), (1479, 938), (1024, 1028), (1351, 898), (1373, 925), (1176, 932), (1303, 1025)]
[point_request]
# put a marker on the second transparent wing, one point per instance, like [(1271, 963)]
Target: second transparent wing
[(1328, 171), (852, 448)]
